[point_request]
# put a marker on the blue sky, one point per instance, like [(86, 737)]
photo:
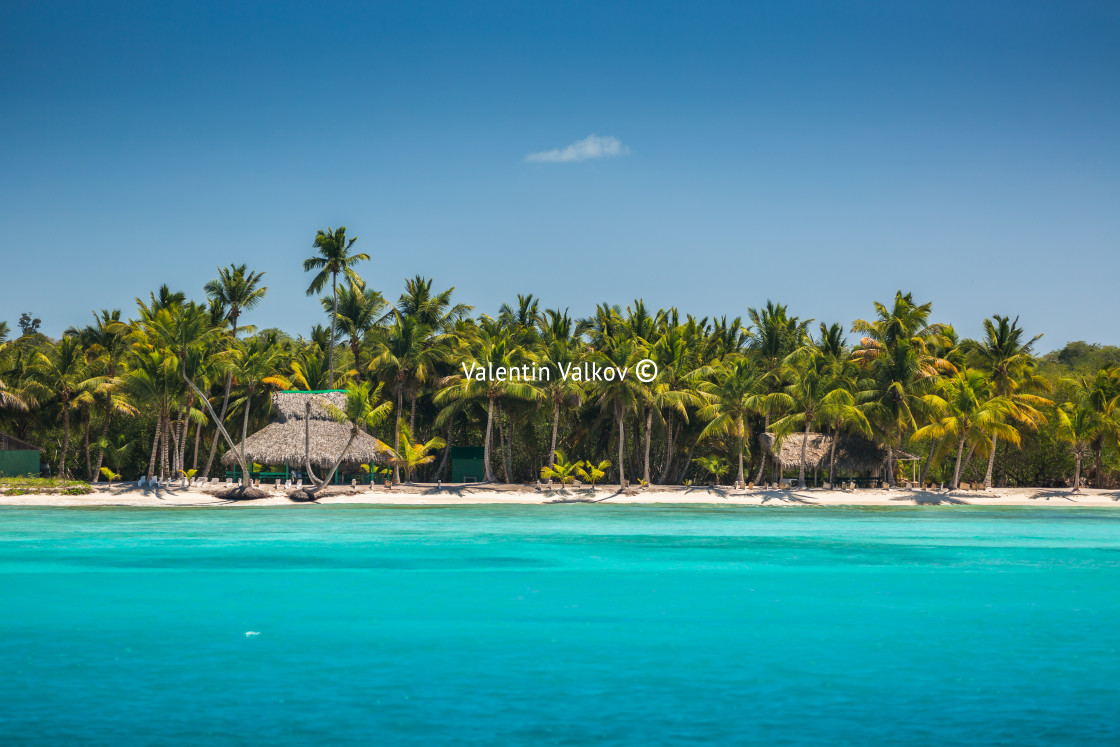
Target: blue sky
[(822, 155)]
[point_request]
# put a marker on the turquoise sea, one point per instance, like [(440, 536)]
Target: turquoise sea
[(565, 624)]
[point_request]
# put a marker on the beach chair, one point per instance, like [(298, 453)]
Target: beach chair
[(143, 481), (287, 484), (299, 483), (353, 483)]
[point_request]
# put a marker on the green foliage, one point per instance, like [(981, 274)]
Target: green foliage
[(590, 472), (562, 470), (714, 466)]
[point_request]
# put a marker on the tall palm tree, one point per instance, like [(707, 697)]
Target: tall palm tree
[(1087, 416), (559, 346), (406, 359), (432, 309), (1009, 363), (64, 370), (358, 311), (624, 396), (106, 344), (334, 259), (235, 291), (737, 393), (490, 347), (814, 394), (895, 352), (968, 408)]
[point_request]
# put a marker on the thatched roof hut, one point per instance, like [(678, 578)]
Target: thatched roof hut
[(283, 441), (853, 453)]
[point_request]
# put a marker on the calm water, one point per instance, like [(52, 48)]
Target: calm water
[(566, 624)]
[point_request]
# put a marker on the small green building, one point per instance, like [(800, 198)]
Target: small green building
[(17, 458), (466, 464)]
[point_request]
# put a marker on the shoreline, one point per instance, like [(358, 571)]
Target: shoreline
[(129, 495)]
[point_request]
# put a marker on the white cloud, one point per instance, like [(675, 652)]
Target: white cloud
[(591, 146)]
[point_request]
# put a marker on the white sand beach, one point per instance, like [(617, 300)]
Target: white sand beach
[(430, 495)]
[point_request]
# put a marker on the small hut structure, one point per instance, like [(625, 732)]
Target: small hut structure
[(854, 454), (285, 440)]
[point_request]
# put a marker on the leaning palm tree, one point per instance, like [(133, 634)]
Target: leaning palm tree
[(363, 410), (334, 259), (1008, 362), (235, 291)]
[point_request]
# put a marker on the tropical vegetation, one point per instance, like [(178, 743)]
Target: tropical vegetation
[(168, 387)]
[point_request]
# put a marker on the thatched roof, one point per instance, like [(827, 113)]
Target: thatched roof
[(853, 453), (282, 442), (11, 443)]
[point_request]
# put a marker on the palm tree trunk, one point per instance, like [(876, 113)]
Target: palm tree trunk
[(621, 444), (356, 349), (412, 417), (928, 463), (761, 450), (1077, 472), (804, 443), (649, 427), (85, 444), (334, 322), (832, 457), (397, 429), (502, 446), (968, 459), (446, 449), (165, 454), (486, 442), (221, 418), (197, 439), (957, 469), (739, 443), (670, 442), (330, 476), (155, 448), (991, 463), (218, 423), (1098, 469), (65, 438), (245, 430), (555, 430), (104, 432)]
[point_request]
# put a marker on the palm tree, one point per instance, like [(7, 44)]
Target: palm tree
[(1008, 362), (559, 346), (363, 410), (235, 291), (407, 360), (896, 354), (814, 394), (334, 259), (967, 409), (64, 370), (106, 345), (621, 396), (410, 455), (358, 311), (491, 347), (1091, 414), (433, 310), (738, 391)]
